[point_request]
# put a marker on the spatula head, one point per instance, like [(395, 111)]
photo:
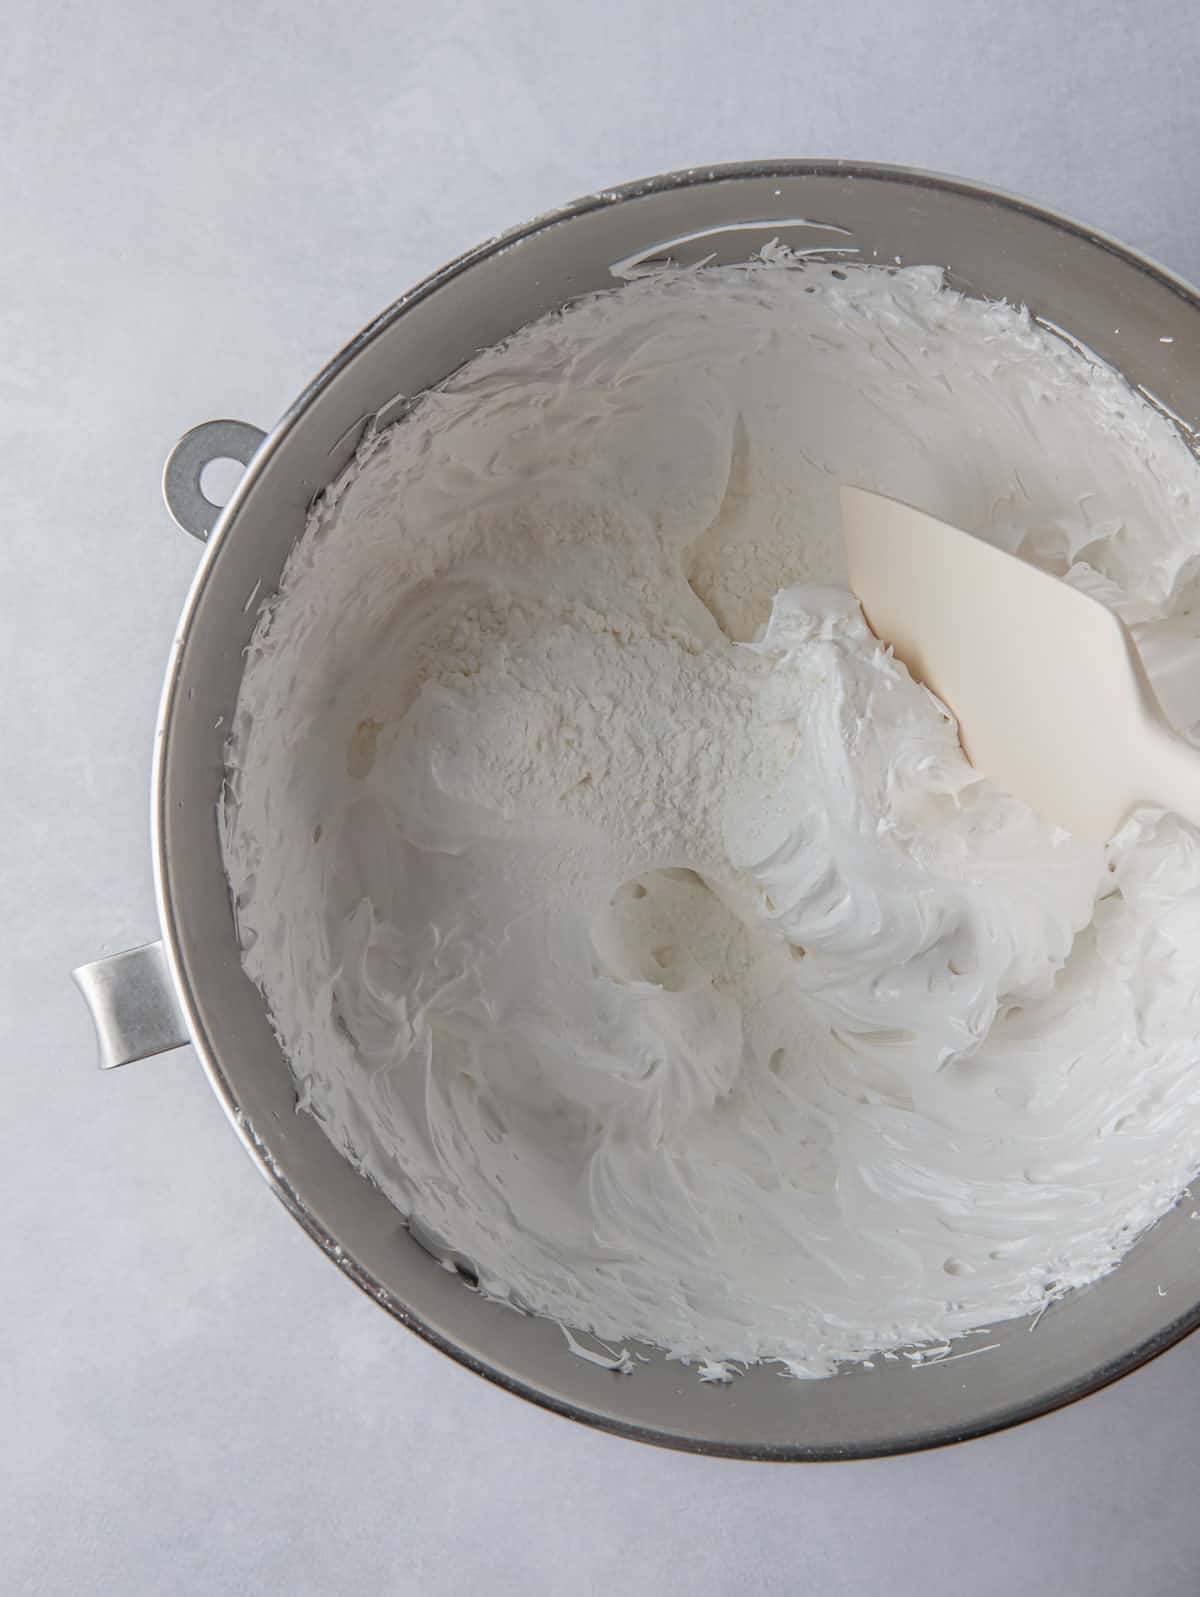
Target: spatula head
[(1051, 699)]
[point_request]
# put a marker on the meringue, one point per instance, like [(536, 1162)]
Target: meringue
[(623, 908)]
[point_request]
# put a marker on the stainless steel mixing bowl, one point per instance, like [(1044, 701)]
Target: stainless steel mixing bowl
[(191, 985)]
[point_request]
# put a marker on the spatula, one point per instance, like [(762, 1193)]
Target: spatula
[(1051, 697)]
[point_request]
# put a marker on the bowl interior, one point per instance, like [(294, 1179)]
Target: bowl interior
[(993, 246)]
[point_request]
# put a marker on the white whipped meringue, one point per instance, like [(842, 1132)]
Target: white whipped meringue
[(629, 915)]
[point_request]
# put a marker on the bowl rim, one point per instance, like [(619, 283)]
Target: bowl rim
[(1017, 1413)]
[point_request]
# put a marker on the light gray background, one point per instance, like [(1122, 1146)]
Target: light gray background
[(197, 206)]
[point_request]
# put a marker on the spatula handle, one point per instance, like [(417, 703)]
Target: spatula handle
[(1173, 774)]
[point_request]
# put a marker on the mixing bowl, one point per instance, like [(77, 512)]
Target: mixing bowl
[(191, 985)]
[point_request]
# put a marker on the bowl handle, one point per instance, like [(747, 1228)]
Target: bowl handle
[(133, 1005), (211, 440)]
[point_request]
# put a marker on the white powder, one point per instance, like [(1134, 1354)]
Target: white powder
[(631, 918)]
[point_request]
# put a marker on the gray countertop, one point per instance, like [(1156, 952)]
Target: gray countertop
[(198, 205)]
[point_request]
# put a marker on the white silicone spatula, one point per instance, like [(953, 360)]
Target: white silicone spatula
[(1052, 701)]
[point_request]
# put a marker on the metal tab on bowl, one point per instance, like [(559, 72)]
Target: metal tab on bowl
[(190, 507), (133, 1004)]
